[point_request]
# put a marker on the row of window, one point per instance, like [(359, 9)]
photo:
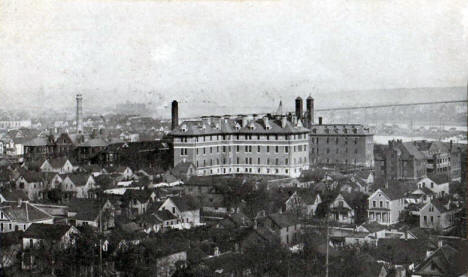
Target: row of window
[(246, 148), (387, 204), (328, 150), (9, 227), (248, 170), (249, 160), (330, 140), (243, 137)]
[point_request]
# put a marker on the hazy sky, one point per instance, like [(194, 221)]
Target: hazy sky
[(233, 51)]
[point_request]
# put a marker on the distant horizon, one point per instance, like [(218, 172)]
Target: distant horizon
[(461, 95)]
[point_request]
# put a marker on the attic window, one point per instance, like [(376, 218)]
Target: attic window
[(237, 126), (184, 128)]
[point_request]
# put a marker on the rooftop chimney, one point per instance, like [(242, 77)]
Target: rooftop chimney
[(310, 111), (244, 120), (299, 108), (175, 114), (283, 121)]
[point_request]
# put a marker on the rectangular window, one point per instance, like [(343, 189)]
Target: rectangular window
[(268, 149), (276, 149), (286, 149), (286, 161), (258, 160), (258, 148)]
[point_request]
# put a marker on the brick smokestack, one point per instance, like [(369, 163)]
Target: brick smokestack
[(299, 108), (79, 113), (175, 114), (310, 111)]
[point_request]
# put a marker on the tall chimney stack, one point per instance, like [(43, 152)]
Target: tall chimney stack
[(310, 111), (79, 113), (299, 108), (175, 114)]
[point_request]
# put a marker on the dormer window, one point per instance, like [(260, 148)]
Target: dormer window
[(184, 128), (237, 126)]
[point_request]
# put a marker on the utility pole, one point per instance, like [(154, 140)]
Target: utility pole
[(326, 259), (100, 244)]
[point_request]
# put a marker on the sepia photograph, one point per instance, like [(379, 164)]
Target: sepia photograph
[(233, 138)]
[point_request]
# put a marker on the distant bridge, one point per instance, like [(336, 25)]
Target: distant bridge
[(390, 105)]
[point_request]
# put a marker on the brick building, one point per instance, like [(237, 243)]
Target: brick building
[(399, 161), (276, 145), (334, 144), (441, 158)]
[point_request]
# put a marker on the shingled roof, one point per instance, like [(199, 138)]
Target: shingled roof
[(184, 204), (412, 150), (24, 212), (39, 141), (14, 195), (52, 232), (79, 179), (96, 142), (32, 176), (283, 219), (85, 209), (58, 162), (228, 126)]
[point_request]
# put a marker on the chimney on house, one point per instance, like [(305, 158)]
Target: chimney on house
[(310, 111), (266, 122), (283, 121), (320, 120), (244, 120), (254, 117), (175, 114)]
